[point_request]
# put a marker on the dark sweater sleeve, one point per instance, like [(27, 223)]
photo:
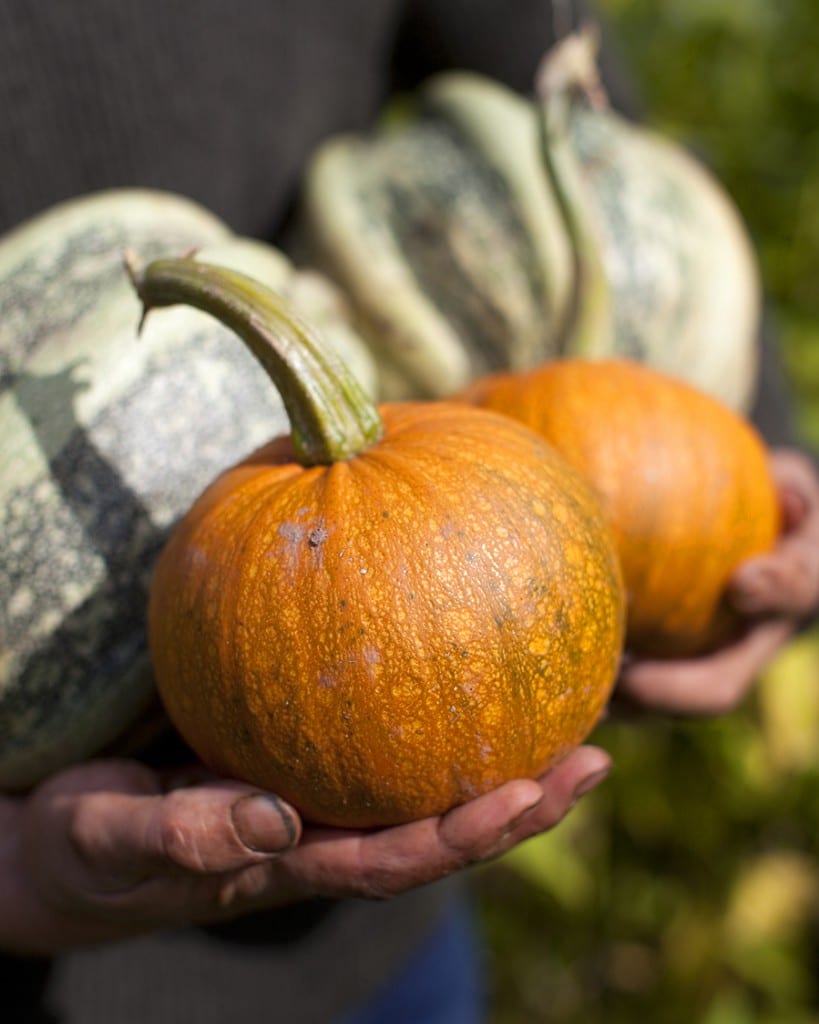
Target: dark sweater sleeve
[(773, 411), (502, 40)]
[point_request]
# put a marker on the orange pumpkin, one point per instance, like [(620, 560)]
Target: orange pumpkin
[(684, 480), (382, 629)]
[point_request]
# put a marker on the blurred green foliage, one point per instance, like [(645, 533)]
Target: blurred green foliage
[(686, 889)]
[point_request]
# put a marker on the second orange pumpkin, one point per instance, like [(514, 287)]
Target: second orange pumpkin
[(685, 481)]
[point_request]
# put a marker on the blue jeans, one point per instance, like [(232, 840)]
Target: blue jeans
[(442, 983)]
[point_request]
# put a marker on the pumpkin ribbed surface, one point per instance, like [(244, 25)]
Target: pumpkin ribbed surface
[(684, 480), (382, 638)]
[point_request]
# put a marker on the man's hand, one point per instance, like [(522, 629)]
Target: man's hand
[(786, 582), (776, 592), (107, 850)]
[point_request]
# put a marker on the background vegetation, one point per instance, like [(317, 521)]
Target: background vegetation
[(686, 889)]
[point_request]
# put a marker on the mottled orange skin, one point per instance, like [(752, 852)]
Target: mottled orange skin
[(685, 482), (384, 638)]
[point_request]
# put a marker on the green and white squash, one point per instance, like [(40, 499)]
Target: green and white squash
[(660, 245), (108, 438), (442, 232), (485, 232)]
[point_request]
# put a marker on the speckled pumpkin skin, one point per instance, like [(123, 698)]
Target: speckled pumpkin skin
[(685, 482), (384, 638)]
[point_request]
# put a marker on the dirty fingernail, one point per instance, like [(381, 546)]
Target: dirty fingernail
[(265, 824)]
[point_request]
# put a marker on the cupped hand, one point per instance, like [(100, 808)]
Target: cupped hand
[(712, 684), (774, 592), (107, 850), (786, 581)]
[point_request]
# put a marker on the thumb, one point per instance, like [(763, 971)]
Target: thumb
[(205, 830), (123, 836)]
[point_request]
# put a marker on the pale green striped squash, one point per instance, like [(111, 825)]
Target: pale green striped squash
[(107, 438)]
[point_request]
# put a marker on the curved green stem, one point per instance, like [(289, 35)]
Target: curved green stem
[(567, 76), (331, 418)]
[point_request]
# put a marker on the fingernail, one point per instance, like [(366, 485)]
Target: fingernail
[(264, 824), (753, 577), (590, 782), (749, 588), (518, 818)]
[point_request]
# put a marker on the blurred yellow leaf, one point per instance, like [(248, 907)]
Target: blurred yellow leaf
[(788, 697), (772, 899)]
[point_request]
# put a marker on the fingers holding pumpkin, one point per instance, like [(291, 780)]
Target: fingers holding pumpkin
[(109, 852), (387, 862), (708, 685), (786, 581), (492, 824)]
